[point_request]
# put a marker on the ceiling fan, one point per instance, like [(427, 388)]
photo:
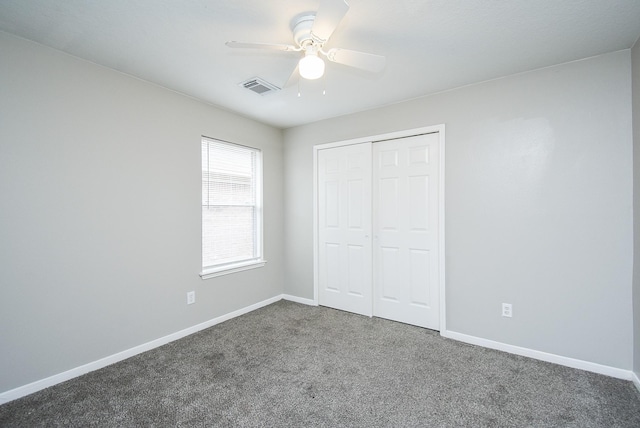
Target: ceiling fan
[(310, 33)]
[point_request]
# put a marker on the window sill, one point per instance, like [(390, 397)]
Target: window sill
[(233, 268)]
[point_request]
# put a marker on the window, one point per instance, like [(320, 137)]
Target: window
[(231, 208)]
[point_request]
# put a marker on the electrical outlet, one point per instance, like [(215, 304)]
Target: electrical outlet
[(191, 297), (507, 310)]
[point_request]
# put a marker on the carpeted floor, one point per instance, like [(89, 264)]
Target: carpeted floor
[(290, 365)]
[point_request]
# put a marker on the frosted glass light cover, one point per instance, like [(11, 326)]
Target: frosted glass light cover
[(311, 66)]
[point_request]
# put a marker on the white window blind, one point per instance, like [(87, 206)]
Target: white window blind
[(231, 206)]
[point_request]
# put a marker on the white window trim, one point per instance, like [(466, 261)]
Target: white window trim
[(232, 268), (229, 268)]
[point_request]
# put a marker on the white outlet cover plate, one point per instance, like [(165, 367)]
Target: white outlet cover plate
[(507, 310)]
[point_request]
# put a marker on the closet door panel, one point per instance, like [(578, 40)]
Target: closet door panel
[(344, 228), (405, 224)]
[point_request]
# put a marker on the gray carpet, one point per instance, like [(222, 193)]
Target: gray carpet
[(290, 365)]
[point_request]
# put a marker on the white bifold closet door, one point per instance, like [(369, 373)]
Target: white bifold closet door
[(405, 221), (344, 228), (378, 229)]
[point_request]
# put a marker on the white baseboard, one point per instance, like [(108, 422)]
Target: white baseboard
[(636, 381), (297, 299), (30, 388), (539, 355)]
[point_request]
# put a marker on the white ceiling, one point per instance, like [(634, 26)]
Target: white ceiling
[(430, 45)]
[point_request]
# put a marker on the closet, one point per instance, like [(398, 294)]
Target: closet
[(378, 228)]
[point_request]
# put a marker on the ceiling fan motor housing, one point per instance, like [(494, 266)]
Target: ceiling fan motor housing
[(302, 31)]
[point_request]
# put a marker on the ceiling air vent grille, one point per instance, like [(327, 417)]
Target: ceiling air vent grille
[(259, 86)]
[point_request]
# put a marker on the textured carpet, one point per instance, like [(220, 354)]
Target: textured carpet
[(299, 366)]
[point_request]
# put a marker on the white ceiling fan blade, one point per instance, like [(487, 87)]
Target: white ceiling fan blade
[(361, 60), (271, 46), (328, 17), (293, 78)]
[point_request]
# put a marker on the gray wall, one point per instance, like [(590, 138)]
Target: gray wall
[(635, 57), (538, 204), (100, 212)]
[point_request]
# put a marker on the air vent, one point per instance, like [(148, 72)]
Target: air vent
[(259, 86)]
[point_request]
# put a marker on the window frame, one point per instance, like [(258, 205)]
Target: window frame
[(242, 265)]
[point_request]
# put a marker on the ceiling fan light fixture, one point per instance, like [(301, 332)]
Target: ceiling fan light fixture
[(311, 31), (311, 66)]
